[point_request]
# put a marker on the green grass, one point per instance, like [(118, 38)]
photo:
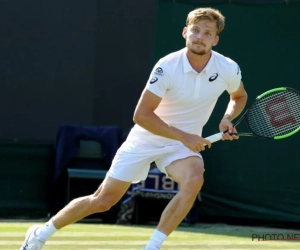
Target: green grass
[(98, 236)]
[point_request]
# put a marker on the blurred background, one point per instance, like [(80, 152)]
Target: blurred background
[(72, 72)]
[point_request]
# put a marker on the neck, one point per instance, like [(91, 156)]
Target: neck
[(198, 62)]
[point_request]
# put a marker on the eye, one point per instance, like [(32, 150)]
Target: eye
[(194, 30), (207, 33)]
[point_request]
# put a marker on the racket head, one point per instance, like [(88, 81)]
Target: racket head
[(275, 114)]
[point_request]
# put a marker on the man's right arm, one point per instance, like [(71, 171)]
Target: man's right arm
[(145, 117)]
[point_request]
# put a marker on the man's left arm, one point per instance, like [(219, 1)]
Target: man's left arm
[(236, 105)]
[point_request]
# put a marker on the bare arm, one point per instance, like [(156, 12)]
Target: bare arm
[(145, 117), (237, 103)]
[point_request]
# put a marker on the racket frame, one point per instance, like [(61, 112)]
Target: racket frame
[(218, 136), (256, 100)]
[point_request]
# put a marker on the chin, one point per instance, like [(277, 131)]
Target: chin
[(199, 52)]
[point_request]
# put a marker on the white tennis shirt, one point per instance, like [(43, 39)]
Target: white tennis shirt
[(188, 97)]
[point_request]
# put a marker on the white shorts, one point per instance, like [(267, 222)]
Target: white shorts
[(132, 161)]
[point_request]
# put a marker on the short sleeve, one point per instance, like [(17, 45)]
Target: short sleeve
[(158, 80), (234, 79)]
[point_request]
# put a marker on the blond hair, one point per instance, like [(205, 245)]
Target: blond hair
[(206, 14)]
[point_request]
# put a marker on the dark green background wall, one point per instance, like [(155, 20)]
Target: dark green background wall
[(72, 61), (57, 68), (250, 178), (25, 184)]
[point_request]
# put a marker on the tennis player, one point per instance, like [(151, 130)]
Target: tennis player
[(176, 103)]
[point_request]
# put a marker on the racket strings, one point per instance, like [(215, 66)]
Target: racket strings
[(275, 114)]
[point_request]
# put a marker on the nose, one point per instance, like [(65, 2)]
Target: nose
[(200, 35)]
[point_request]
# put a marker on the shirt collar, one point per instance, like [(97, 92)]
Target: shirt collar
[(210, 62), (187, 66)]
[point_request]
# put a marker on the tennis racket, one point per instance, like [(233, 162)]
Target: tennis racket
[(275, 114)]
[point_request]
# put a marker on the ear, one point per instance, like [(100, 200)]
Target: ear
[(184, 32), (217, 38)]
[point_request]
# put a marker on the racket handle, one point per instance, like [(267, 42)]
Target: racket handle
[(215, 137)]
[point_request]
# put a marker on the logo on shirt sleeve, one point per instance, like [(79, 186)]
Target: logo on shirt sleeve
[(153, 80), (159, 71), (238, 70)]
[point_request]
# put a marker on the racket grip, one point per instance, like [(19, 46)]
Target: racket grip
[(215, 137)]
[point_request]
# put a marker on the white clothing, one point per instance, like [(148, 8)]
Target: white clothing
[(132, 161), (188, 99)]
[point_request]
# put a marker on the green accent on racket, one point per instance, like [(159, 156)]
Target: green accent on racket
[(270, 91)]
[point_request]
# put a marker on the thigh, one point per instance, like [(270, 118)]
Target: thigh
[(181, 159), (186, 169), (112, 190)]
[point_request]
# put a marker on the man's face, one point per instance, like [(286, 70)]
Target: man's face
[(201, 36)]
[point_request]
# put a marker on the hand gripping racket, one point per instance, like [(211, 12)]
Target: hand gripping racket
[(275, 114)]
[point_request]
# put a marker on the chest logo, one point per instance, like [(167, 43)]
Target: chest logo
[(213, 77)]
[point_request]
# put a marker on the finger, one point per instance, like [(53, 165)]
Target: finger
[(195, 150), (201, 147), (207, 142), (231, 129), (235, 137), (223, 137), (227, 136), (234, 130), (234, 134)]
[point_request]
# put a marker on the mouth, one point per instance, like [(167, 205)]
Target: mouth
[(200, 44)]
